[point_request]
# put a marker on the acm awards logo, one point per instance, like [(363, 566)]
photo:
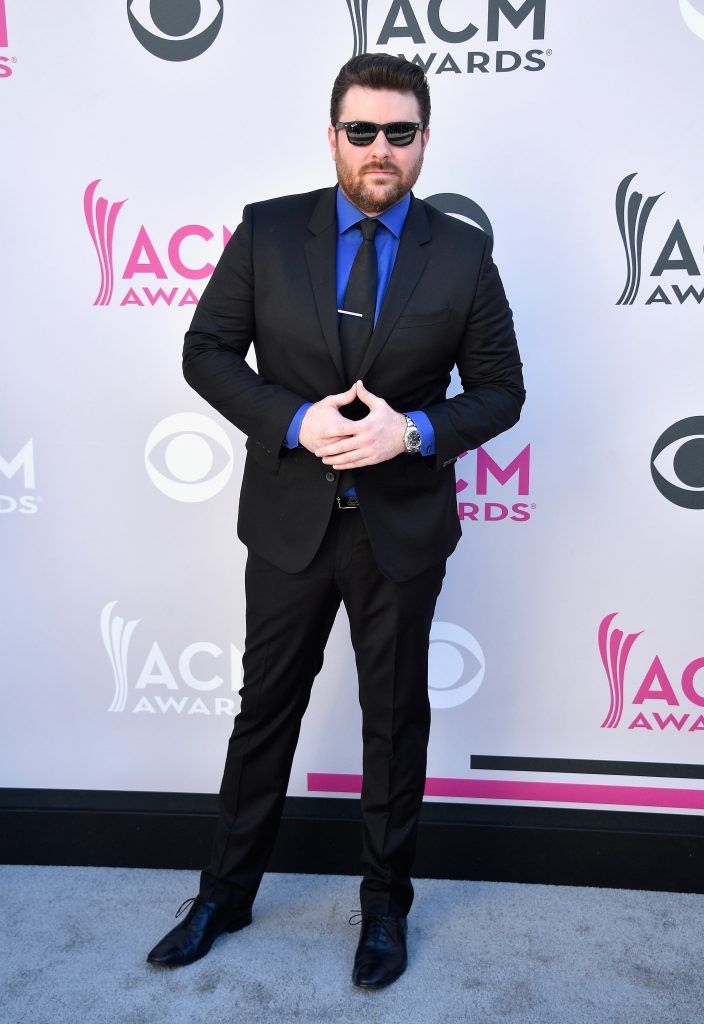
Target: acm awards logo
[(20, 466), (180, 261), (200, 679), (677, 463), (175, 30), (436, 35), (672, 251), (6, 63), (656, 690), (187, 256), (494, 511)]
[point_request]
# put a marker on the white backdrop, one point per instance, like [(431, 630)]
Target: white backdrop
[(123, 170)]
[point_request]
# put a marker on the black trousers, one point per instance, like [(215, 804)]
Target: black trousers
[(288, 621)]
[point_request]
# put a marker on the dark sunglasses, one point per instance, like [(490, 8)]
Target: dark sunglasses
[(363, 133)]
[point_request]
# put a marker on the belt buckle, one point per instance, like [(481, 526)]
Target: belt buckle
[(349, 501)]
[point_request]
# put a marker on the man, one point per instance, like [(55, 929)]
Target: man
[(359, 300)]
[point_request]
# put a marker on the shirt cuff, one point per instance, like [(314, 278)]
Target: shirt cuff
[(425, 429), (291, 439)]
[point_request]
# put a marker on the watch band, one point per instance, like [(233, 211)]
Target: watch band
[(411, 437)]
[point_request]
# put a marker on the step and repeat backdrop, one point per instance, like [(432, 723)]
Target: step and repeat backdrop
[(567, 653)]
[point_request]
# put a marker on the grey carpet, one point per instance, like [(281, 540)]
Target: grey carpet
[(74, 940)]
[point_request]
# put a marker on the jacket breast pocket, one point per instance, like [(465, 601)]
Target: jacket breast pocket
[(439, 316)]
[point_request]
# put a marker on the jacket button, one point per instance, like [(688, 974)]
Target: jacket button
[(329, 476)]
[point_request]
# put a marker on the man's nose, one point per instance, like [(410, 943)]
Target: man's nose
[(380, 147)]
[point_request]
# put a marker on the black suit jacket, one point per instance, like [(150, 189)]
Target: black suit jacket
[(275, 287)]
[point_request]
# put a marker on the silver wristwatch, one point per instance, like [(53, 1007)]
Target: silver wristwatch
[(411, 437)]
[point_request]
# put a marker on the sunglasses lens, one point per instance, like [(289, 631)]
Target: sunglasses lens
[(402, 133), (361, 133)]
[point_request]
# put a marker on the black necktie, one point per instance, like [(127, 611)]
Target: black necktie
[(355, 331), (360, 298)]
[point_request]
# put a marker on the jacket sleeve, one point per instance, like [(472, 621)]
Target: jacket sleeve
[(489, 365), (217, 342)]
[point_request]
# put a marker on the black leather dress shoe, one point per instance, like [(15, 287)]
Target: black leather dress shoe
[(381, 952), (192, 939)]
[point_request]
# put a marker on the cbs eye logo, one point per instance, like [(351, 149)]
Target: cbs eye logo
[(693, 18), (188, 457), (455, 665), (462, 208), (677, 463), (175, 29)]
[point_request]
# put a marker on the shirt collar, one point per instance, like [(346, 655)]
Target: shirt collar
[(393, 219)]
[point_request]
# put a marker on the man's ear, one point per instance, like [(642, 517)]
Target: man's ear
[(332, 140), (426, 137)]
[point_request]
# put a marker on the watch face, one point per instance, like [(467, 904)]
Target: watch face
[(413, 440)]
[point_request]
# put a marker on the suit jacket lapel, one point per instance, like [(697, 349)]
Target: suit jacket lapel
[(410, 262), (321, 254)]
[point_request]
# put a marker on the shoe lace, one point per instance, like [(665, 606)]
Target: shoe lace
[(377, 925), (191, 899)]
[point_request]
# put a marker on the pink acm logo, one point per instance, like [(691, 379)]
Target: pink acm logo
[(480, 469), (657, 689), (139, 281), (5, 62)]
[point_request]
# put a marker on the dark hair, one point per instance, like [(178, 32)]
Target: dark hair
[(381, 71)]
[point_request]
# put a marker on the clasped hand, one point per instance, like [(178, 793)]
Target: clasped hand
[(350, 444)]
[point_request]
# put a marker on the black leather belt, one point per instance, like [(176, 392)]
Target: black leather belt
[(347, 501)]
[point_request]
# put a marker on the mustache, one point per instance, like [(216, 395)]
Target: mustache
[(383, 166)]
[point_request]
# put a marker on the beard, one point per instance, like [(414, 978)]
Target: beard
[(375, 196)]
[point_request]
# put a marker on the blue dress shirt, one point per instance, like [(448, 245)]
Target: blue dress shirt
[(386, 241)]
